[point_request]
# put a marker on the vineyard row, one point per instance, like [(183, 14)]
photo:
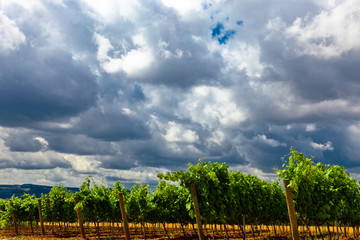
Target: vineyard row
[(323, 195)]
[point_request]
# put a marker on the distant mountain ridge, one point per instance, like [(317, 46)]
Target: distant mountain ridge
[(7, 191)]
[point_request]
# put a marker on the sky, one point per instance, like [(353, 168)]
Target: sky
[(122, 90)]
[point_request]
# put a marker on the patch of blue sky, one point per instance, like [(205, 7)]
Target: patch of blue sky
[(226, 36), (217, 30), (240, 22), (138, 93), (206, 5), (220, 34)]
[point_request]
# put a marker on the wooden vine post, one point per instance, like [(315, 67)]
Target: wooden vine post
[(124, 218), (197, 211), (81, 223), (291, 210), (244, 224), (14, 220), (41, 218)]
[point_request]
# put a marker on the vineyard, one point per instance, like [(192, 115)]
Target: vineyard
[(231, 205)]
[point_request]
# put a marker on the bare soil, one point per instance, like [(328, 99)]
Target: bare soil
[(108, 232)]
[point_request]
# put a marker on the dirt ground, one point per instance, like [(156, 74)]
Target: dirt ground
[(152, 232)]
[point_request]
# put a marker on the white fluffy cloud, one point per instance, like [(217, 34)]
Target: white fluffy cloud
[(217, 137), (82, 164), (269, 141), (185, 7), (331, 108), (310, 127), (11, 37), (322, 147), (331, 33), (132, 62), (242, 56), (212, 107), (110, 11), (177, 133)]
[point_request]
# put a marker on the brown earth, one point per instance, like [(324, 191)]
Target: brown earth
[(174, 232)]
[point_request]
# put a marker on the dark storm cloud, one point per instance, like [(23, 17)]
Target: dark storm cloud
[(152, 153), (311, 78), (23, 143), (188, 71), (35, 162), (113, 126), (42, 88), (79, 144), (123, 161), (42, 81)]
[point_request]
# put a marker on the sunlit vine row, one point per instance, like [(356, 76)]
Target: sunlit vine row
[(323, 195)]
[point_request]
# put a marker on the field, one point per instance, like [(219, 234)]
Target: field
[(156, 231)]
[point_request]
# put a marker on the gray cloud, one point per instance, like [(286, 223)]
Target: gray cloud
[(45, 91), (23, 143), (113, 126), (44, 79), (80, 144), (32, 162), (148, 84)]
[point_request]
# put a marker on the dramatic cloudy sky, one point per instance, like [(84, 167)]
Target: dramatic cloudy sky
[(121, 90)]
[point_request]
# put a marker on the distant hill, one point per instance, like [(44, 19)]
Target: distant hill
[(6, 191)]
